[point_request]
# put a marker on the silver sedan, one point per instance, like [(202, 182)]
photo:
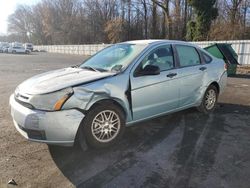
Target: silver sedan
[(123, 84)]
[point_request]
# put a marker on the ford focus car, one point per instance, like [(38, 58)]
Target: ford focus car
[(123, 84)]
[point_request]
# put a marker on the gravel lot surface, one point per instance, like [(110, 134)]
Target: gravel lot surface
[(185, 149)]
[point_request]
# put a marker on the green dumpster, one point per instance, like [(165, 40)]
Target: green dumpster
[(226, 52)]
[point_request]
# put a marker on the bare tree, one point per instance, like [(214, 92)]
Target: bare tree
[(98, 21), (145, 8), (20, 21), (154, 20), (165, 5)]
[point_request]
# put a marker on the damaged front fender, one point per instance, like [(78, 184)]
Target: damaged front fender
[(86, 96)]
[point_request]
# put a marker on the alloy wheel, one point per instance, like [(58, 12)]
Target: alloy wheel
[(210, 99), (105, 126)]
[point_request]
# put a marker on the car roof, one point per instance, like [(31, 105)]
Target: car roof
[(157, 41)]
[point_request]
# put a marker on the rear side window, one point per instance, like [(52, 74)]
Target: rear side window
[(188, 56), (206, 57)]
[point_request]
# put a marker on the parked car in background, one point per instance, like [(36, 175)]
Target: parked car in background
[(1, 47), (18, 49), (4, 47), (28, 46), (16, 44), (122, 84)]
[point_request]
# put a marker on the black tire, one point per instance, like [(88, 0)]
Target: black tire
[(102, 128), (204, 107), (13, 51)]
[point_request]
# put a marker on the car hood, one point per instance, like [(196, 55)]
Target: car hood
[(59, 79)]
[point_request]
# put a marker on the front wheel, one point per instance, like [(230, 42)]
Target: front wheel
[(103, 125), (209, 101)]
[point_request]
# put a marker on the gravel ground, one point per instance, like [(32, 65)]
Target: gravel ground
[(185, 149)]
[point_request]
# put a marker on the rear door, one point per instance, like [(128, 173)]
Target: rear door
[(191, 72)]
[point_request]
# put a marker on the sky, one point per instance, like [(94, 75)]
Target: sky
[(7, 7)]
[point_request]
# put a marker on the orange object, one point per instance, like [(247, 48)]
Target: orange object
[(60, 102)]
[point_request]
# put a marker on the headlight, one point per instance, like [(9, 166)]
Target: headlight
[(61, 101), (16, 93), (51, 101)]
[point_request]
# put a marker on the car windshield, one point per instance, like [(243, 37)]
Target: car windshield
[(114, 58)]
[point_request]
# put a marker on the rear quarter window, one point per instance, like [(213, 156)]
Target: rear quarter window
[(206, 57)]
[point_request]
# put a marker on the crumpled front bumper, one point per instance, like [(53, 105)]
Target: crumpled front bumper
[(57, 127)]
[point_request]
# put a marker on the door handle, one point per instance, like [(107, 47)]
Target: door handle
[(203, 68), (171, 75)]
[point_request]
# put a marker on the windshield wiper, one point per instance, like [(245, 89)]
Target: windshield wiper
[(117, 68), (75, 66), (90, 68)]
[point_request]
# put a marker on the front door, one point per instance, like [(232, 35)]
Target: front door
[(155, 94)]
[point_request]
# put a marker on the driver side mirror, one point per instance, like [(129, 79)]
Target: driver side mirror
[(149, 70)]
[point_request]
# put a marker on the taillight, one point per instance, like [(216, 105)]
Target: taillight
[(225, 66)]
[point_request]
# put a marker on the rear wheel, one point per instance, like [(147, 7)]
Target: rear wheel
[(13, 51), (209, 101), (103, 125)]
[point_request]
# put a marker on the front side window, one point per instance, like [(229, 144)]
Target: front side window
[(161, 57), (188, 56), (114, 58)]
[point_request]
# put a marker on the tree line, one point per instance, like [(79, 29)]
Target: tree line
[(109, 21)]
